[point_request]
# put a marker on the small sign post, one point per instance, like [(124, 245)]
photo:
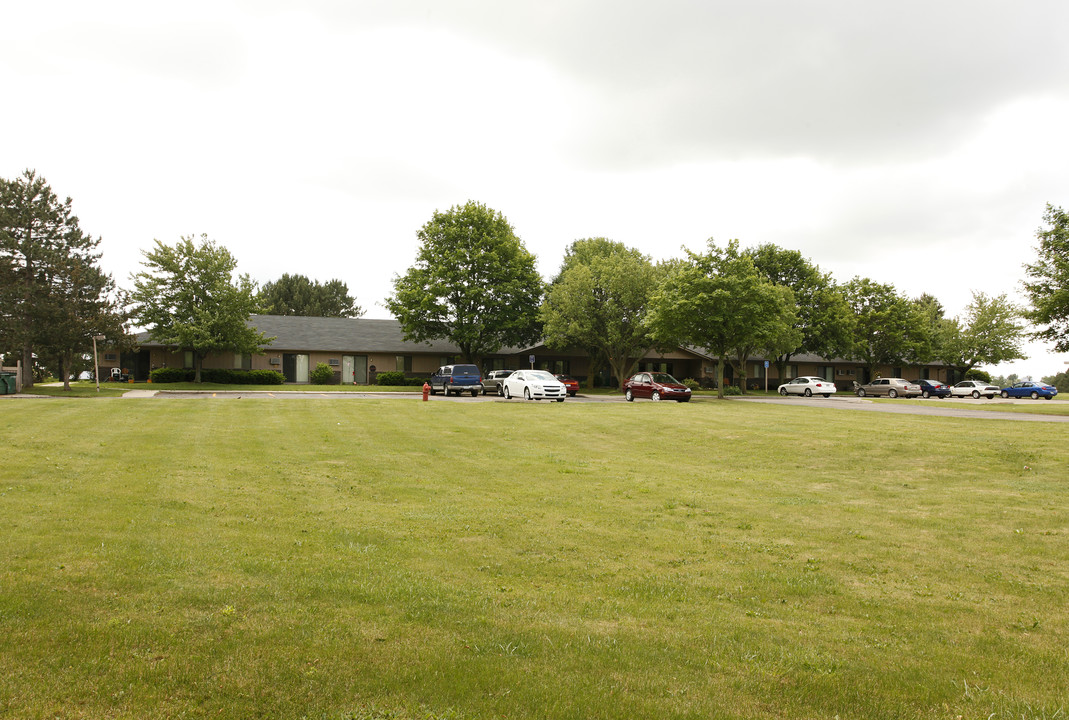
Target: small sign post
[(766, 375), (530, 359)]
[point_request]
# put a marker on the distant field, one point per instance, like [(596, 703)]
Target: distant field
[(384, 559)]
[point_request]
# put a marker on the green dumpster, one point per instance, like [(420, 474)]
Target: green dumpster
[(7, 383)]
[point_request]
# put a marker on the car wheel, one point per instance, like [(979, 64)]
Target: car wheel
[(505, 392), (527, 393), (656, 396), (1035, 396), (808, 392), (1048, 397), (783, 392), (827, 395), (975, 394), (1005, 395), (475, 393), (686, 399), (926, 394), (860, 392), (560, 399), (892, 394), (628, 396), (501, 390)]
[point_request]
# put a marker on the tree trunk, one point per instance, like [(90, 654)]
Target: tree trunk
[(198, 362), (27, 366), (65, 368), (719, 378)]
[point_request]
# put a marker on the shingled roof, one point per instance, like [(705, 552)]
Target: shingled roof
[(322, 334)]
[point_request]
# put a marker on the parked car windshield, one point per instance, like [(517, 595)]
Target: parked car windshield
[(664, 379), (540, 375)]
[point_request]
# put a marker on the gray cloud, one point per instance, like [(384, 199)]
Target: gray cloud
[(840, 81)]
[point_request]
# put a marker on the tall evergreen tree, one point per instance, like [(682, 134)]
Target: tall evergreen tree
[(44, 255), (299, 295)]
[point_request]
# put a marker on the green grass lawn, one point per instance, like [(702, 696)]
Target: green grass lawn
[(399, 559)]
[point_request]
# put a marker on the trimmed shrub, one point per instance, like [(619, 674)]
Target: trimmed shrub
[(323, 374), (222, 376), (264, 377), (691, 383), (171, 375), (391, 377), (732, 390), (415, 381)]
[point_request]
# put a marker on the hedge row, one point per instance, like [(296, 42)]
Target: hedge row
[(218, 375), (396, 377)]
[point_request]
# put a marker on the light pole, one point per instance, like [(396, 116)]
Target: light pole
[(96, 365)]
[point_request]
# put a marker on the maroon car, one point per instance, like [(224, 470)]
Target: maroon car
[(656, 386), (570, 384)]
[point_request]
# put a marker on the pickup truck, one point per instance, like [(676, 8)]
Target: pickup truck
[(456, 379), (494, 380)]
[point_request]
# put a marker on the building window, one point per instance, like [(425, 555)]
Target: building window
[(110, 357), (827, 372), (758, 370), (187, 359), (238, 361), (403, 363)]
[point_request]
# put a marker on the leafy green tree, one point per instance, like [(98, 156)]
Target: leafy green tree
[(1048, 280), (990, 332), (822, 316), (1060, 381), (189, 300), (473, 283), (599, 302), (889, 329), (40, 243), (717, 300), (298, 295)]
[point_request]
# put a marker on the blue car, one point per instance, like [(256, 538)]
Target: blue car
[(933, 388), (1028, 388)]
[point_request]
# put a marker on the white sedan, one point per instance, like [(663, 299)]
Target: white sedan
[(808, 386), (974, 389), (534, 385)]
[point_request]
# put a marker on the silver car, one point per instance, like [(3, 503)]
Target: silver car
[(891, 387)]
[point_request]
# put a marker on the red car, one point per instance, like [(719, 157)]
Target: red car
[(656, 386), (570, 384)]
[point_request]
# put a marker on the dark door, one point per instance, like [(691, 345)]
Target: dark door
[(137, 363), (289, 367)]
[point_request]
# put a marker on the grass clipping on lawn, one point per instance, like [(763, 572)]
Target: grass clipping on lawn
[(399, 559)]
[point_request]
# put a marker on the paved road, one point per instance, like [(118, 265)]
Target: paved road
[(958, 407), (308, 395)]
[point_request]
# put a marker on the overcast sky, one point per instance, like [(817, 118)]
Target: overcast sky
[(914, 143)]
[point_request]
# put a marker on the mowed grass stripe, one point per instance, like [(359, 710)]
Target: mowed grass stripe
[(322, 558)]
